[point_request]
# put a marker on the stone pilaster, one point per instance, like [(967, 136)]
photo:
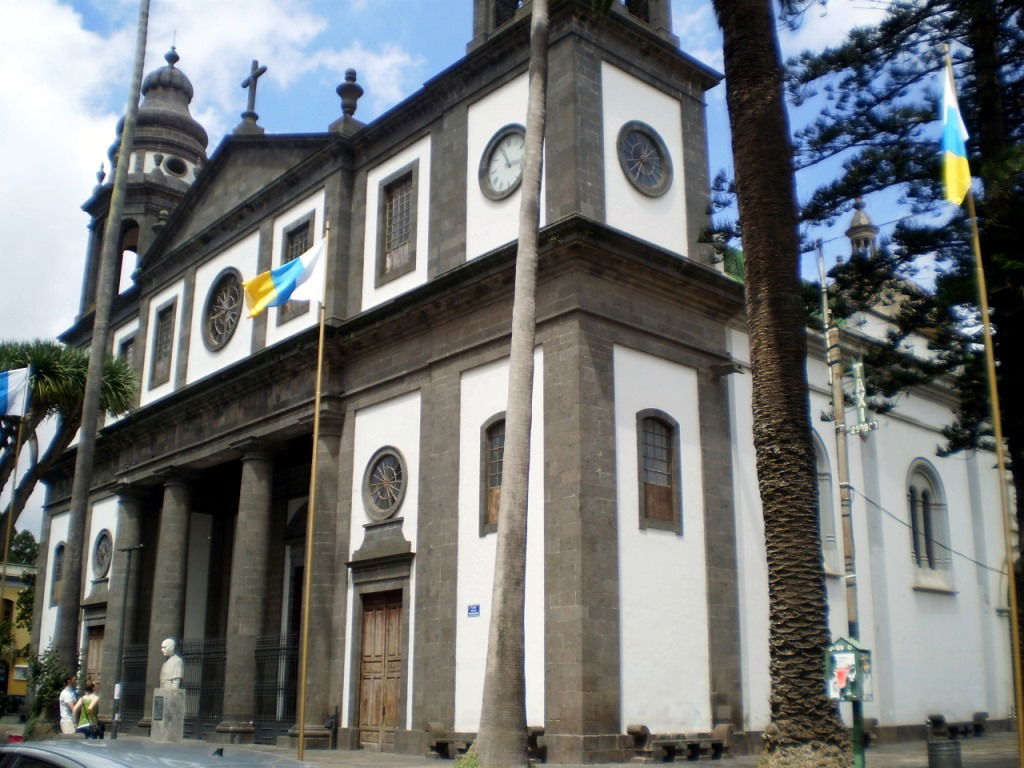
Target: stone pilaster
[(167, 616), (122, 598), (322, 574), (247, 601)]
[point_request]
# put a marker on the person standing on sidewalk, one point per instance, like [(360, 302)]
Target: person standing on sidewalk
[(66, 702)]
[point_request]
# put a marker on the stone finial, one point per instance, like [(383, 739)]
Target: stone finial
[(101, 174), (349, 91), (172, 57)]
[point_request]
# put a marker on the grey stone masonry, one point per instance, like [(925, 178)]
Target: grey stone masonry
[(721, 550), (437, 555), (582, 670), (123, 595), (246, 604), (168, 604), (321, 595)]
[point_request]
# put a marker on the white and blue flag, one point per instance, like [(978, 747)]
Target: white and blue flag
[(14, 392)]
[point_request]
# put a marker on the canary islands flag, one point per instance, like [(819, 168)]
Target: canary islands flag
[(955, 172), (14, 388), (301, 279)]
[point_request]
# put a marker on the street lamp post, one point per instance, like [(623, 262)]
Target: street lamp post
[(120, 641)]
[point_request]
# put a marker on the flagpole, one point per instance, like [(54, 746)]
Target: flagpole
[(307, 571), (1004, 499), (993, 389)]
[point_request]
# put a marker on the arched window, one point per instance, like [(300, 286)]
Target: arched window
[(658, 467), (929, 526), (492, 462), (129, 256), (57, 574), (826, 510)]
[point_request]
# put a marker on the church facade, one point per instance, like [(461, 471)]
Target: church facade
[(646, 585)]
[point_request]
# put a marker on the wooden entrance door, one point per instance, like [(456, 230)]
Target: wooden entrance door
[(380, 680), (94, 655)]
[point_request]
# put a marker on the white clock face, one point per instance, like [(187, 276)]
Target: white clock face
[(502, 164)]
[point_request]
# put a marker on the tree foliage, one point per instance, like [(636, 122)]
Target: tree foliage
[(58, 382), (881, 89)]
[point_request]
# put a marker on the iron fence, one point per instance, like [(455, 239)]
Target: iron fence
[(204, 685), (133, 685), (277, 662)]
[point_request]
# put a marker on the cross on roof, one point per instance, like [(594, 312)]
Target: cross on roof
[(250, 82)]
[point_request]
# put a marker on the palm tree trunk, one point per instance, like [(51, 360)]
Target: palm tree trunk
[(501, 742), (805, 729)]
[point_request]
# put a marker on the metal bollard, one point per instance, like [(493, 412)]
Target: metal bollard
[(944, 754)]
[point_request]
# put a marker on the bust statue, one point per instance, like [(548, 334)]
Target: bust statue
[(173, 670)]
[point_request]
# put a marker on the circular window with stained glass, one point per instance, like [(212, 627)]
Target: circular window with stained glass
[(644, 158), (102, 551), (223, 309), (384, 483)]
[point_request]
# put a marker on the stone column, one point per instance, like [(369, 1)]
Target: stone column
[(321, 602), (167, 617), (247, 601), (122, 597)]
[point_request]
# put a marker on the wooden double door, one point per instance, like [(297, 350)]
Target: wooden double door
[(380, 671)]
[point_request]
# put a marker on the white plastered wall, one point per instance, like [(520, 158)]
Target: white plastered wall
[(932, 650), (663, 575), (58, 535), (493, 223), (103, 516), (394, 423), (659, 220), (120, 334), (372, 296), (150, 394), (201, 360), (484, 393), (314, 204)]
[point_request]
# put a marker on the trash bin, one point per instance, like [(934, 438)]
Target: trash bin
[(944, 754)]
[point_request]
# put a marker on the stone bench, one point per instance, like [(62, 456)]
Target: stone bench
[(940, 728), (668, 747), (452, 744)]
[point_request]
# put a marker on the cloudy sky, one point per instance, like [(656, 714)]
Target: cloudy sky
[(67, 64)]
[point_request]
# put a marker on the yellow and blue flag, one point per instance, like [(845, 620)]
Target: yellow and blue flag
[(14, 391), (956, 173), (296, 279)]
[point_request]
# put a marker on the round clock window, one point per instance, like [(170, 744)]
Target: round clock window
[(223, 309), (501, 165), (644, 158), (384, 483), (102, 551)]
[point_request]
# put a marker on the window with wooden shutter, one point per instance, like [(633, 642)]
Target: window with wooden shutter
[(492, 459), (658, 465)]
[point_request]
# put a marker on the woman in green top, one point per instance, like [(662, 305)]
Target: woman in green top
[(87, 713)]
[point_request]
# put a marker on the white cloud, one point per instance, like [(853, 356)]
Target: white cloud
[(698, 32), (828, 24), (53, 135)]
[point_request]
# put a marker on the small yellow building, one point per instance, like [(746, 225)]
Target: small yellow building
[(14, 672)]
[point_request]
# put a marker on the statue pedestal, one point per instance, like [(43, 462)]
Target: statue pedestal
[(168, 715)]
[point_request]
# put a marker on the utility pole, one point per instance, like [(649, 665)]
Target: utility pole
[(835, 375), (119, 686)]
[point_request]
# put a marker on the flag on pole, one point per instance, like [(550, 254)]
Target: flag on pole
[(955, 171), (14, 389), (301, 279)]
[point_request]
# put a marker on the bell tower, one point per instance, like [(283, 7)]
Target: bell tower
[(169, 151), (491, 15), (862, 231)]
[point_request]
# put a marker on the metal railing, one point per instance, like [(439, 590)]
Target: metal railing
[(277, 661), (204, 685)]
